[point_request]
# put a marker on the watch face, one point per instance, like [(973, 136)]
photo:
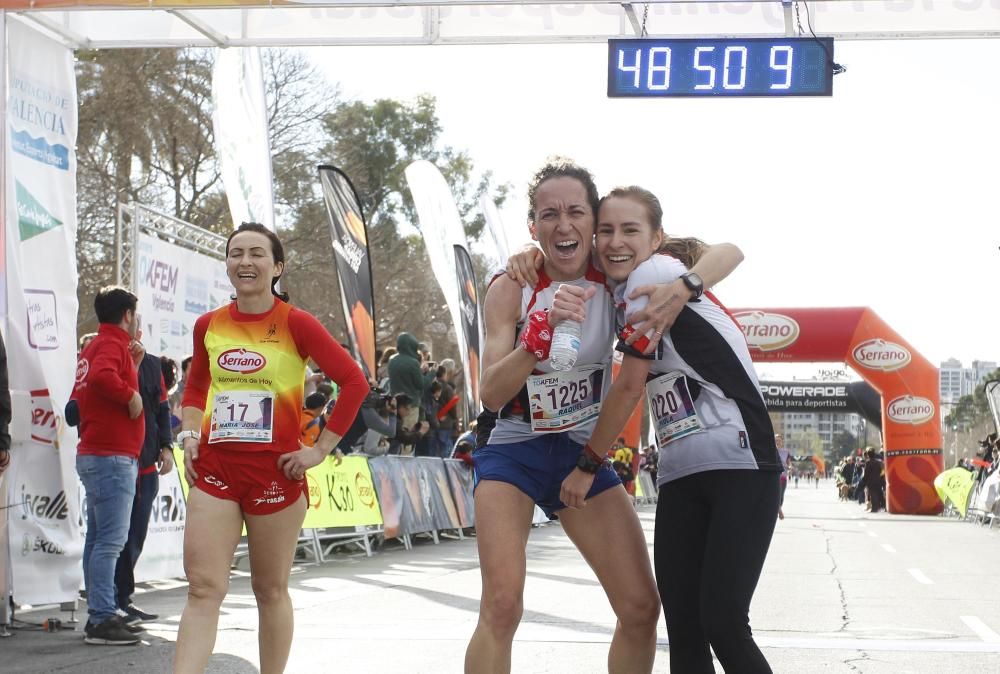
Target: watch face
[(693, 281)]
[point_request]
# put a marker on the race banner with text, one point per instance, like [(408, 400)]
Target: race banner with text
[(40, 239), (471, 327), (442, 229), (349, 237), (175, 286), (341, 496), (241, 134), (163, 551)]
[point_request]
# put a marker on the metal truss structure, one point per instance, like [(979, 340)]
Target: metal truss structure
[(134, 219), (102, 24)]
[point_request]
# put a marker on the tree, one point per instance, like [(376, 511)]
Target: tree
[(969, 421), (844, 444)]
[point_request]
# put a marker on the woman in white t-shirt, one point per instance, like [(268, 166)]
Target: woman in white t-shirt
[(719, 467)]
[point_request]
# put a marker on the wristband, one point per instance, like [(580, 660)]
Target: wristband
[(536, 338), (589, 461), (184, 435), (592, 453)]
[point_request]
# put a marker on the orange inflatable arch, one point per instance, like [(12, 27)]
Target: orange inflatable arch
[(907, 382)]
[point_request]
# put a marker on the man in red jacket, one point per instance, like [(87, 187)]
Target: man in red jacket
[(112, 430)]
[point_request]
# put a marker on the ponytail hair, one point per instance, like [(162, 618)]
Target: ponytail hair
[(277, 251)]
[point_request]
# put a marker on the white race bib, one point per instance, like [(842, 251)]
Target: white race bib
[(244, 416), (671, 407), (561, 400)]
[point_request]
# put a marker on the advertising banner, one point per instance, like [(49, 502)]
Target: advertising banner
[(349, 237), (908, 384), (442, 229), (471, 327), (175, 286), (494, 225), (461, 483), (434, 481), (241, 134), (835, 396), (341, 496), (391, 494), (163, 552), (40, 255), (955, 485)]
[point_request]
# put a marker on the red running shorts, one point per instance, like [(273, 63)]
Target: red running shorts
[(252, 479)]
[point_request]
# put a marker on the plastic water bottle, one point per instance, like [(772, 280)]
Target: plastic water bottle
[(565, 346)]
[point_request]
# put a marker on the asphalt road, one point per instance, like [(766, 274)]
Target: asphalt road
[(842, 591)]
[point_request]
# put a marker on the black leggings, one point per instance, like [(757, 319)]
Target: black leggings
[(713, 530)]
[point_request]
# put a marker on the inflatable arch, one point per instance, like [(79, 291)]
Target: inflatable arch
[(907, 382)]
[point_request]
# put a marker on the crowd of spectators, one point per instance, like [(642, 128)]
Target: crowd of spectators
[(861, 477)]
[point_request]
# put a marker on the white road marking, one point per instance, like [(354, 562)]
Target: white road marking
[(921, 578), (888, 548), (981, 629)]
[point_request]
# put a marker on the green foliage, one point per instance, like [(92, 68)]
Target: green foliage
[(145, 135)]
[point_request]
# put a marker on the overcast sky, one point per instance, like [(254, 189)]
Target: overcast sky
[(879, 196)]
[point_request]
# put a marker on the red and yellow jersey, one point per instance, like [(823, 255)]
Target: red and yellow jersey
[(247, 374)]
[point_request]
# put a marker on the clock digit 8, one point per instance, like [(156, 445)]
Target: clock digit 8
[(720, 67)]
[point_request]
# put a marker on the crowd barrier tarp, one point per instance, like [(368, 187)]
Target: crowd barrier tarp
[(175, 286), (437, 493), (163, 552), (40, 256), (416, 492), (342, 496), (955, 485), (241, 135), (461, 484), (391, 495)]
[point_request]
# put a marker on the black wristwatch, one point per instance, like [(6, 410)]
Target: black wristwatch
[(694, 284), (588, 464)]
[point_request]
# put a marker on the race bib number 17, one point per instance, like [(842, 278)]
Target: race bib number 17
[(672, 408), (243, 416), (561, 400)]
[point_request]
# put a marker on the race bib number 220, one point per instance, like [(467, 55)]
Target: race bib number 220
[(672, 408)]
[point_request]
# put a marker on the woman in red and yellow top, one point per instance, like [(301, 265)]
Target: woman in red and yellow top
[(240, 433)]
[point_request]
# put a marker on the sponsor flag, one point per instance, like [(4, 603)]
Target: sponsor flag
[(955, 485), (43, 494), (494, 226), (349, 237), (442, 230), (241, 134), (471, 327)]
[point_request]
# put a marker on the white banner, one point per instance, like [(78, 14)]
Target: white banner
[(44, 527), (175, 286), (241, 135), (163, 552), (494, 225), (442, 228)]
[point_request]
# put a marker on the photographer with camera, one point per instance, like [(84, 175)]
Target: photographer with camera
[(377, 417)]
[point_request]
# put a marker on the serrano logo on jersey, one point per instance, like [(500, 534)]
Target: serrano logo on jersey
[(766, 331), (910, 409), (878, 354), (82, 368), (241, 360)]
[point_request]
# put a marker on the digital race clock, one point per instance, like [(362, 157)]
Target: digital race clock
[(712, 67)]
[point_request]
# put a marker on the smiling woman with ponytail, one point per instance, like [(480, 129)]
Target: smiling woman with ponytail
[(242, 455)]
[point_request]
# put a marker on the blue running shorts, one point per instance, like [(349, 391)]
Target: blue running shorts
[(538, 467)]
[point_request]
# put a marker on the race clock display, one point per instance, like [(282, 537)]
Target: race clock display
[(650, 68)]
